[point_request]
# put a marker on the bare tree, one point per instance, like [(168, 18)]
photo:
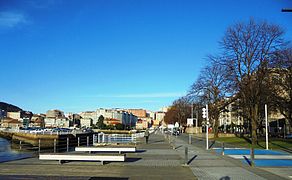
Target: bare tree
[(212, 88), (248, 50), (179, 111)]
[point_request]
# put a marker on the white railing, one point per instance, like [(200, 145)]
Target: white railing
[(116, 138), (44, 132)]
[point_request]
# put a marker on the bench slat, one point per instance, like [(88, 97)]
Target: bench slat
[(69, 157), (103, 149)]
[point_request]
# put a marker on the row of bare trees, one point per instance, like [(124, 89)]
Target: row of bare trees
[(253, 68)]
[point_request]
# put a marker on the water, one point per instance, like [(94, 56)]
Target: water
[(7, 154)]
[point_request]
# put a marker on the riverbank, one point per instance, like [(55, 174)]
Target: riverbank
[(155, 160), (48, 140)]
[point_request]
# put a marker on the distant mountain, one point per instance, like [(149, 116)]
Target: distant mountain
[(9, 107)]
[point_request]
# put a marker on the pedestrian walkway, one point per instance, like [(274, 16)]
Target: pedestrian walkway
[(155, 160), (206, 164), (162, 158)]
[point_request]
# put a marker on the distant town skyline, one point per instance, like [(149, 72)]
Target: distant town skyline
[(77, 56)]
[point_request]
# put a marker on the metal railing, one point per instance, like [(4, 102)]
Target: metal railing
[(44, 132), (116, 138), (62, 144)]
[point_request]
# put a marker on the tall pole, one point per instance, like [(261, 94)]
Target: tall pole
[(267, 137), (197, 116), (192, 112), (207, 128)]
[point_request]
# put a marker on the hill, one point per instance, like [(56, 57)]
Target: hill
[(9, 107)]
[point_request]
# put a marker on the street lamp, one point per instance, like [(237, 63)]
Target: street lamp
[(206, 115)]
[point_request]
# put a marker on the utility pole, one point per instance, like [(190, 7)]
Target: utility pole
[(206, 115), (192, 112), (197, 116), (267, 136)]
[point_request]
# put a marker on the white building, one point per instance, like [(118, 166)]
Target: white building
[(116, 114), (57, 122), (85, 122), (231, 115), (90, 115), (160, 116), (14, 115)]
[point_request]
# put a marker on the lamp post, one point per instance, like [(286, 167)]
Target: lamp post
[(267, 136), (205, 115)]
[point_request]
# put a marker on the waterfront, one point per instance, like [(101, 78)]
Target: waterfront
[(8, 154), (162, 159)]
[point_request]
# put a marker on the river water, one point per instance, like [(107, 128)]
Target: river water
[(7, 154)]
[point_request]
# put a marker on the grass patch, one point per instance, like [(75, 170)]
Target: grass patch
[(274, 143)]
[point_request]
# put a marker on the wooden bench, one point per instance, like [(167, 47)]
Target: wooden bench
[(82, 157), (106, 149)]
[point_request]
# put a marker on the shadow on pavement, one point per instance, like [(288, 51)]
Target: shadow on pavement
[(194, 157), (131, 159)]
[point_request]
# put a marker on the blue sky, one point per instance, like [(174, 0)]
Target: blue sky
[(81, 55)]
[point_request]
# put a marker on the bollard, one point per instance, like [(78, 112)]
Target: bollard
[(173, 144), (87, 140), (223, 149), (67, 144), (20, 145), (186, 155), (39, 145), (55, 144), (78, 141), (252, 157), (190, 139)]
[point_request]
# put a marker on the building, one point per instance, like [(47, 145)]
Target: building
[(56, 118), (124, 117), (90, 115), (165, 109), (86, 122), (231, 115), (141, 124), (151, 114), (109, 121), (3, 114), (22, 116), (37, 121), (141, 113), (111, 116), (11, 123), (159, 116), (55, 114), (14, 115)]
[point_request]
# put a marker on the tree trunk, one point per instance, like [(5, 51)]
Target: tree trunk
[(254, 119), (216, 125)]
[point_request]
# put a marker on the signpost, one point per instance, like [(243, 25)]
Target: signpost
[(205, 115), (267, 136)]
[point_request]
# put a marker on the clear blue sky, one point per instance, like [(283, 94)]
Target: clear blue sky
[(82, 55)]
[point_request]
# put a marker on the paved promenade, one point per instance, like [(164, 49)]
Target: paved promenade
[(160, 159), (156, 160), (209, 165)]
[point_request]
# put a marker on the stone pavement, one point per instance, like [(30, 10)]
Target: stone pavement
[(208, 165), (156, 160), (162, 158)]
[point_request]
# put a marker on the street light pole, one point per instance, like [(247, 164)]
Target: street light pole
[(207, 127), (206, 115), (266, 114), (197, 116), (192, 113)]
